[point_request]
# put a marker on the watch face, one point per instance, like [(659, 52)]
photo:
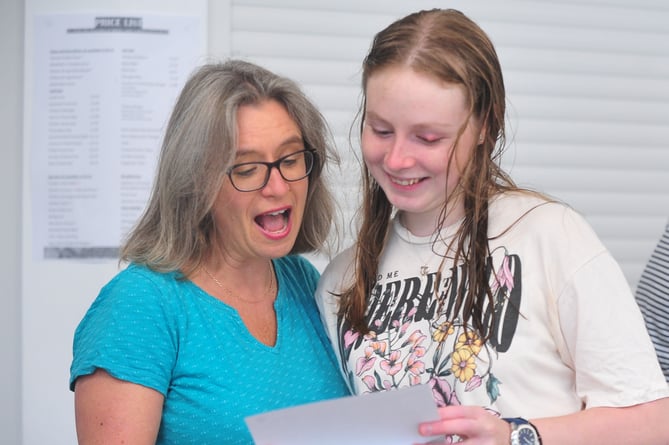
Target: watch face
[(526, 435)]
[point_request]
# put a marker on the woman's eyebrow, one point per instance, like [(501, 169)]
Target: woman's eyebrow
[(291, 140)]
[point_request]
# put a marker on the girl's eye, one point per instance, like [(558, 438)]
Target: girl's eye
[(381, 132), (429, 139)]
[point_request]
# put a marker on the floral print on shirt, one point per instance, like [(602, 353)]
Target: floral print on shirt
[(414, 340)]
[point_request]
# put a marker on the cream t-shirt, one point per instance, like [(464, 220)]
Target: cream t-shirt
[(570, 334)]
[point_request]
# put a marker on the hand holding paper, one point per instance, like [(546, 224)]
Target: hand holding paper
[(389, 417)]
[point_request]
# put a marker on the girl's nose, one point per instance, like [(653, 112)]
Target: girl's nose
[(398, 156)]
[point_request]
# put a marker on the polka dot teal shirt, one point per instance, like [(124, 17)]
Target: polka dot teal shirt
[(167, 334)]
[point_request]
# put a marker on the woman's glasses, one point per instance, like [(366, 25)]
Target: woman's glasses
[(252, 176)]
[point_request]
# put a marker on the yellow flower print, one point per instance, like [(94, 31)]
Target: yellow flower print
[(464, 365), (469, 340), (443, 331)]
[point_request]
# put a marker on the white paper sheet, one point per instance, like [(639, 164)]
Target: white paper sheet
[(388, 418)]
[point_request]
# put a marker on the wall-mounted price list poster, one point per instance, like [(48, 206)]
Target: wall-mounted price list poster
[(103, 89)]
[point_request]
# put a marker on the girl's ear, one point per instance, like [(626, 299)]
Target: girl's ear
[(482, 135)]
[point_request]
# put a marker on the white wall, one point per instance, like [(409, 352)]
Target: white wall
[(589, 87), (11, 106)]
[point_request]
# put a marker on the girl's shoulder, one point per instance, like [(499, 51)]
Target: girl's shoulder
[(527, 207)]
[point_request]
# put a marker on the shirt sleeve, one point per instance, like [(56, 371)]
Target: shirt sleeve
[(129, 331), (652, 296), (612, 355)]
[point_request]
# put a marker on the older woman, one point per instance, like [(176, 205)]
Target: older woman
[(213, 319)]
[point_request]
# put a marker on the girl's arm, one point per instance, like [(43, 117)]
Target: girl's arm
[(643, 424), (646, 423)]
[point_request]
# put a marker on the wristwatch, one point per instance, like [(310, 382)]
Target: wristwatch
[(523, 432)]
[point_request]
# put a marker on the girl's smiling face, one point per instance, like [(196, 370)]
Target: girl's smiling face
[(410, 127)]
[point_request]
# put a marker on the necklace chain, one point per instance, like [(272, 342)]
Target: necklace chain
[(268, 291)]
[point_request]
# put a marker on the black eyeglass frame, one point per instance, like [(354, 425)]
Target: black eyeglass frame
[(276, 164)]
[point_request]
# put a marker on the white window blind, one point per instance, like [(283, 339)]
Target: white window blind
[(587, 83)]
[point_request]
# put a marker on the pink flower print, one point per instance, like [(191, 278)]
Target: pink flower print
[(473, 383), (443, 392), (404, 324), (379, 347), (503, 277), (369, 382), (415, 339), (350, 337), (404, 327), (418, 351), (365, 363), (415, 366), (393, 365)]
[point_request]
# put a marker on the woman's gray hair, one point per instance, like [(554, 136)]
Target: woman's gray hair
[(176, 230)]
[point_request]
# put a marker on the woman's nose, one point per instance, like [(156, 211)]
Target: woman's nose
[(275, 184)]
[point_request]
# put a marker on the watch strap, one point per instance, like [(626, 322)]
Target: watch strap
[(523, 421)]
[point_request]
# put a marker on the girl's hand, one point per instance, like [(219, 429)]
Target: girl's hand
[(471, 424)]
